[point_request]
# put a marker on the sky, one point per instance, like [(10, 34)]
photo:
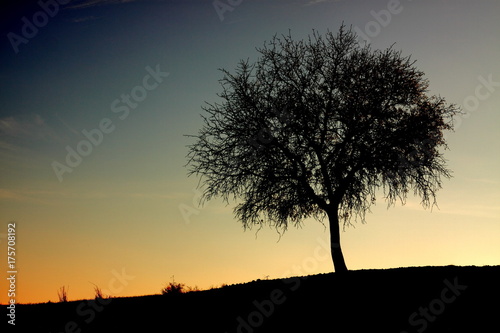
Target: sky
[(98, 95)]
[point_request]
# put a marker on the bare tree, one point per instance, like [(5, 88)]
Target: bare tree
[(313, 128)]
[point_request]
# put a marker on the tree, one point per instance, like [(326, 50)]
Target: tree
[(313, 128)]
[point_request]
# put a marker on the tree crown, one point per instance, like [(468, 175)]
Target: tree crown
[(317, 126)]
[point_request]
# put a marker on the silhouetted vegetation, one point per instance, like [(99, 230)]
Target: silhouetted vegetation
[(173, 288), (98, 294), (314, 128), (62, 294), (414, 299), (189, 289)]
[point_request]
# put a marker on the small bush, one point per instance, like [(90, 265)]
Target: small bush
[(173, 288)]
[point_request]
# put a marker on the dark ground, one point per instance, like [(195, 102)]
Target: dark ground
[(420, 299)]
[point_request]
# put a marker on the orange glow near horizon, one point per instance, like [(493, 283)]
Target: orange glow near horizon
[(125, 216), (396, 237)]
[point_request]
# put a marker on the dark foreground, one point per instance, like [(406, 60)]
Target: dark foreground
[(422, 299)]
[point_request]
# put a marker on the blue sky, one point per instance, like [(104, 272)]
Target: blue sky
[(129, 202)]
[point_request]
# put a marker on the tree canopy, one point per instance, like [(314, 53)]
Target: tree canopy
[(314, 127)]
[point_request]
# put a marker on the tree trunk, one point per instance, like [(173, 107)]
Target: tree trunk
[(337, 256)]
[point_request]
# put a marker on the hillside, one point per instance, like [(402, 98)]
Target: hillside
[(415, 299)]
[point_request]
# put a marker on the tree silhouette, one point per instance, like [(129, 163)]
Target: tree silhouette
[(313, 128)]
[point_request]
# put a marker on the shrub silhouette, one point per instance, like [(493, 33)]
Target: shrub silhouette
[(174, 288)]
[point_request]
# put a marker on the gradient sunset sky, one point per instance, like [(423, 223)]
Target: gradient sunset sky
[(126, 218)]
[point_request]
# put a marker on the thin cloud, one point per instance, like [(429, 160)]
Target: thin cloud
[(479, 211), (8, 146), (78, 5), (84, 19), (31, 127), (151, 196), (121, 195), (20, 196), (56, 197), (71, 129), (93, 3), (482, 180), (315, 2)]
